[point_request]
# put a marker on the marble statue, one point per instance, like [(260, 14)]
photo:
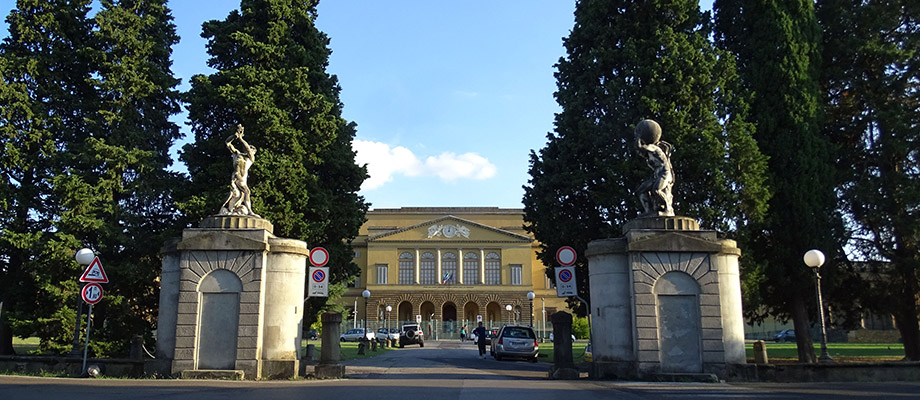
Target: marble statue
[(655, 192), (239, 202)]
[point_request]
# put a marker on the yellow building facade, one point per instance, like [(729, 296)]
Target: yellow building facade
[(450, 267)]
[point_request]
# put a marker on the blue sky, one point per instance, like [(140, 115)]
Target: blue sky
[(449, 97)]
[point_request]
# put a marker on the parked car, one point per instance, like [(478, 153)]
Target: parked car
[(515, 341), (551, 337), (384, 334), (411, 334), (353, 335), (785, 335), (312, 334)]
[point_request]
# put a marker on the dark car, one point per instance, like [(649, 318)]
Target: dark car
[(312, 334), (515, 341), (785, 335)]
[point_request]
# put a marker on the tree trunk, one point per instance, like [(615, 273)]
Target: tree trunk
[(802, 325), (6, 334), (906, 318)]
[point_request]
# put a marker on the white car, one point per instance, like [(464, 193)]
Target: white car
[(551, 337), (384, 334), (353, 335)]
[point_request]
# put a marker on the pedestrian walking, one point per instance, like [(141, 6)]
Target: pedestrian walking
[(480, 333), (463, 334)]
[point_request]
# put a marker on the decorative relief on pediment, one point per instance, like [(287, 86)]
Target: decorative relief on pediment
[(448, 231)]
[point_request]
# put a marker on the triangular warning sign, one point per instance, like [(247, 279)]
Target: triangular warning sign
[(94, 273)]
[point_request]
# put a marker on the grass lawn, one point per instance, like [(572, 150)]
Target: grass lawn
[(578, 352), (349, 350), (840, 352), (25, 346)]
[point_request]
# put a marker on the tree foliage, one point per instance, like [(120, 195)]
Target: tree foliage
[(271, 62), (778, 48), (627, 61), (86, 146), (871, 72)]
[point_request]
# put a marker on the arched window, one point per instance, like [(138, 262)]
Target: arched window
[(406, 268), (470, 268), (449, 268), (493, 269), (427, 271)]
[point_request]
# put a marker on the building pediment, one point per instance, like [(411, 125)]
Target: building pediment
[(449, 229)]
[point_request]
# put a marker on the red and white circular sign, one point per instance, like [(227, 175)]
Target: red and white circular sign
[(566, 255), (91, 293), (319, 257)]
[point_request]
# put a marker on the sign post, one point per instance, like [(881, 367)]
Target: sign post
[(92, 294)]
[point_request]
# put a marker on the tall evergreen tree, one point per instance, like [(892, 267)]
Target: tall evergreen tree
[(119, 188), (99, 99), (44, 64), (271, 61), (777, 45), (872, 76), (627, 61)]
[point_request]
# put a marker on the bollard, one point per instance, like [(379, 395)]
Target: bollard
[(373, 345), (760, 352), (362, 346)]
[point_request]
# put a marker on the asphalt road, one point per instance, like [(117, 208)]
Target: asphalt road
[(439, 371)]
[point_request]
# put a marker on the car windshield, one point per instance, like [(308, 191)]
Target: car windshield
[(518, 333)]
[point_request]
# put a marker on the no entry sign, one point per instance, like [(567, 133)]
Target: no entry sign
[(566, 255), (319, 257)]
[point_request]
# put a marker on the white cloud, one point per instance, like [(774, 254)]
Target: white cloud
[(384, 161)]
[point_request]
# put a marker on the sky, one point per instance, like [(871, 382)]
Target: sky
[(450, 97)]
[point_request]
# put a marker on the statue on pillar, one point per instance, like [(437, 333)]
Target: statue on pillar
[(239, 202), (655, 192)]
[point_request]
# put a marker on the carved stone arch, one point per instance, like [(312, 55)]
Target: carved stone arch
[(492, 297)]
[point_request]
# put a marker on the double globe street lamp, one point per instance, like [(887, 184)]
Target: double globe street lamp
[(365, 294), (814, 259)]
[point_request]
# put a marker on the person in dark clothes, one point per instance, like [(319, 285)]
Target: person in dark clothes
[(480, 333)]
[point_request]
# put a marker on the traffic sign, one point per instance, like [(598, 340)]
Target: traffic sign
[(92, 293), (94, 273), (319, 282), (565, 282), (319, 257), (566, 255)]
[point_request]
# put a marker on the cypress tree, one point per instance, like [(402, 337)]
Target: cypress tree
[(627, 61), (871, 75), (777, 44), (271, 61), (87, 140), (45, 66)]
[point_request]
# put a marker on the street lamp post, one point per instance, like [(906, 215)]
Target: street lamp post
[(389, 308), (543, 311), (508, 309), (365, 294), (814, 259), (530, 297), (84, 257)]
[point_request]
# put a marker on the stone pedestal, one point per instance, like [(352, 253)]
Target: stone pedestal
[(330, 355), (231, 298), (666, 298), (563, 361)]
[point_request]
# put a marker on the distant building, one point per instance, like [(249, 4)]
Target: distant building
[(450, 267)]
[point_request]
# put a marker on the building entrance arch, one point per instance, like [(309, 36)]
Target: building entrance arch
[(493, 317), (404, 313)]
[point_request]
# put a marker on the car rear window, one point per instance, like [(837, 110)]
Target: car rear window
[(518, 333)]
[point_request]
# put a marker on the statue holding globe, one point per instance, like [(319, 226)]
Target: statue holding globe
[(655, 192)]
